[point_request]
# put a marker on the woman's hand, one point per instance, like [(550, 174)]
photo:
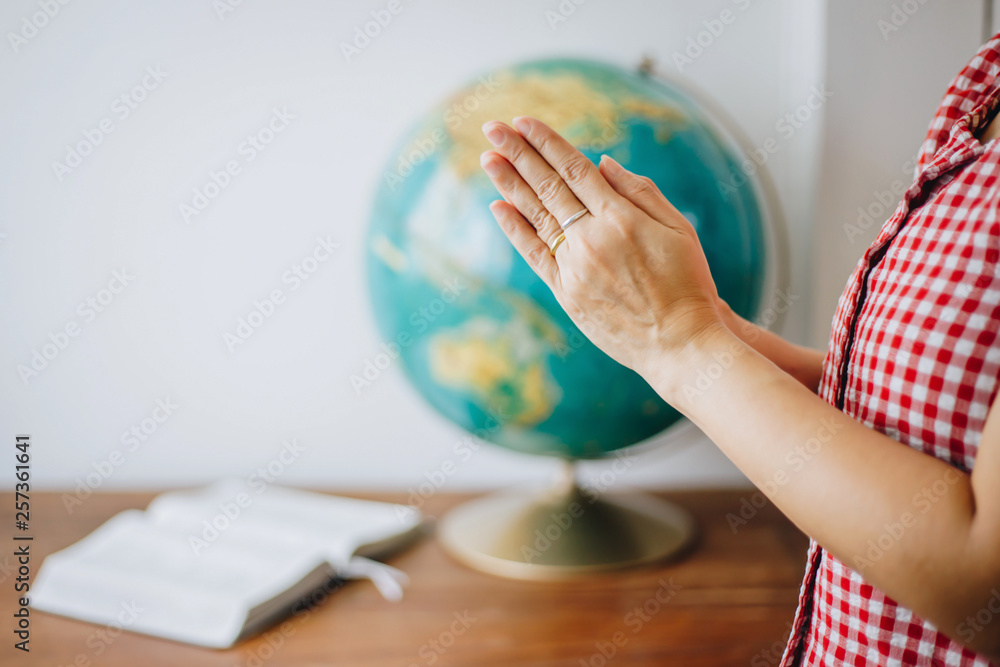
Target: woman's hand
[(630, 273)]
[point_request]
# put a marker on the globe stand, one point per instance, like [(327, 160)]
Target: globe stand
[(564, 531)]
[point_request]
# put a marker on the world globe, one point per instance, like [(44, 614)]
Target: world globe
[(479, 335), (485, 342)]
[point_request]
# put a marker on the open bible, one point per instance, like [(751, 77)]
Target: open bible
[(215, 565)]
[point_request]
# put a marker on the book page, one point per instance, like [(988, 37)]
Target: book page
[(193, 565), (201, 599), (334, 526)]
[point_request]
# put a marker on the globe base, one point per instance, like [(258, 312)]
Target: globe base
[(564, 532)]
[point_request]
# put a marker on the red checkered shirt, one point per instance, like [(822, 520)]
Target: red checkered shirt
[(914, 354)]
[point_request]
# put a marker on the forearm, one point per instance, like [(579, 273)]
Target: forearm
[(802, 363), (839, 481), (847, 486)]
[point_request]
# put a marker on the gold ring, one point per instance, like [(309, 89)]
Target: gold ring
[(555, 244)]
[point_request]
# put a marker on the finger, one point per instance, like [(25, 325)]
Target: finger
[(639, 190), (516, 191), (547, 184), (576, 171), (526, 241)]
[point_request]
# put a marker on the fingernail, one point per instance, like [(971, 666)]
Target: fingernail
[(522, 125), (494, 134), (489, 166), (612, 165)]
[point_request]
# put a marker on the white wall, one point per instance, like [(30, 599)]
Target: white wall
[(162, 335), (888, 69)]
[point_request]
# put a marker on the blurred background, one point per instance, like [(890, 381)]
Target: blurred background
[(124, 265)]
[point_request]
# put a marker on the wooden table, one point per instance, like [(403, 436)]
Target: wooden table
[(729, 602)]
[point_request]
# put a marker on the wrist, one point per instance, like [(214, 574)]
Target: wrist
[(726, 314), (742, 328), (681, 373)]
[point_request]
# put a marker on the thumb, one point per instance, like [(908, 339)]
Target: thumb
[(639, 190)]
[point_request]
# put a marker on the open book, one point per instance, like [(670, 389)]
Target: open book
[(218, 564)]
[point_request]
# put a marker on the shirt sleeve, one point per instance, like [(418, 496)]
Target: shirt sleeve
[(964, 93)]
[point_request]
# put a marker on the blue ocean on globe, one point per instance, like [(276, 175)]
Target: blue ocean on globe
[(479, 335)]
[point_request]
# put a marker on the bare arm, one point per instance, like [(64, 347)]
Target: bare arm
[(633, 277), (802, 363), (935, 530)]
